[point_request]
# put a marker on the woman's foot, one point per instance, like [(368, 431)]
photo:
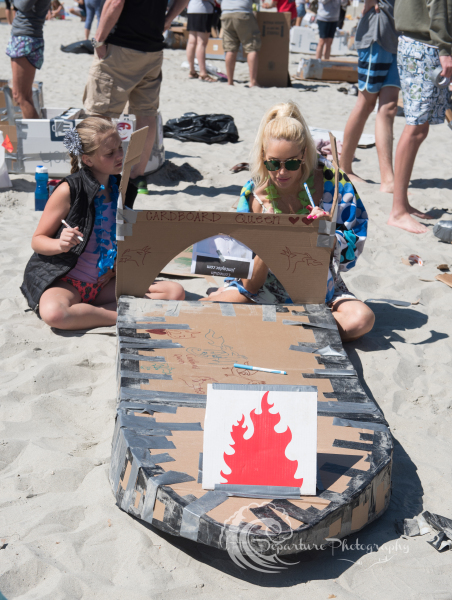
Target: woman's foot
[(207, 78), (193, 75)]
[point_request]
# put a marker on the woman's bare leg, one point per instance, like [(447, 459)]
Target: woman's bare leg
[(23, 77), (201, 43), (353, 318), (191, 51)]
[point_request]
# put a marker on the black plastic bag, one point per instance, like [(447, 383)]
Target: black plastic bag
[(209, 129), (83, 47)]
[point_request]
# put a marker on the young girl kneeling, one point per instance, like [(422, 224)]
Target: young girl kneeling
[(70, 279), (284, 158)]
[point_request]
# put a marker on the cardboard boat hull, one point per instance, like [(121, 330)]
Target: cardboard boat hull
[(156, 467)]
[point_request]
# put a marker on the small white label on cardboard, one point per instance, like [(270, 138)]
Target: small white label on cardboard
[(215, 47), (222, 256), (260, 438)]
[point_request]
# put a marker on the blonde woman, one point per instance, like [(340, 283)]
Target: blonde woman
[(284, 158)]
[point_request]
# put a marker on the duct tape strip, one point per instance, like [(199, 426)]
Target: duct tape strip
[(173, 309), (139, 321), (149, 461), (179, 426), (360, 424), (193, 512), (145, 344), (326, 241), (304, 348), (322, 373), (349, 445), (153, 483), (177, 399), (322, 325), (148, 442), (128, 215), (227, 310), (327, 227), (328, 351), (243, 387), (123, 229), (128, 493), (144, 407), (200, 463), (145, 376), (347, 407), (269, 313), (258, 491), (140, 357)]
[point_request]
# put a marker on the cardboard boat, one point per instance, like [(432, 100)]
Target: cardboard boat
[(168, 352)]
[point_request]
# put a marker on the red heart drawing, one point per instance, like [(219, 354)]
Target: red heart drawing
[(305, 221), (293, 220)]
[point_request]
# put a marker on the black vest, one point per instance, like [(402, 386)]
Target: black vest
[(42, 271)]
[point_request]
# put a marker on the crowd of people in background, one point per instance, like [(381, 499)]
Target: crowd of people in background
[(397, 48)]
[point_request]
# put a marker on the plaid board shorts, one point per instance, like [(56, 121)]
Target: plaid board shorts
[(422, 101), (25, 46)]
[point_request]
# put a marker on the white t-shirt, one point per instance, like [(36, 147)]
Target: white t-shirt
[(200, 7)]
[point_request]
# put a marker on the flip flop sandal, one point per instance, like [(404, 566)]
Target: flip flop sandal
[(207, 78), (193, 75), (240, 167)]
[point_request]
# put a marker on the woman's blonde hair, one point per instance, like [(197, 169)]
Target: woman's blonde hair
[(90, 131), (282, 122)]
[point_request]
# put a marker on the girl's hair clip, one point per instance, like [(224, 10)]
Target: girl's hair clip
[(73, 143)]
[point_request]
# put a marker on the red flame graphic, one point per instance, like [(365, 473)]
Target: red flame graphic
[(261, 460)]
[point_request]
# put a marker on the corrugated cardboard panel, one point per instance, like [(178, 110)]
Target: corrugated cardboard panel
[(273, 69)]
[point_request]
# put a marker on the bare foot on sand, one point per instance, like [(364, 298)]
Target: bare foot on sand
[(418, 213), (407, 222)]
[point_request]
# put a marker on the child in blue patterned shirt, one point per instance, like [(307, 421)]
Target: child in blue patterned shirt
[(284, 158)]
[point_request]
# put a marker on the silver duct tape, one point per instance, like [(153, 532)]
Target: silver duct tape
[(335, 372), (325, 241), (192, 513), (323, 325), (200, 463), (127, 496), (127, 215), (360, 424), (148, 376), (328, 351), (258, 491), (173, 309), (146, 407), (347, 407), (153, 484), (139, 321), (155, 326), (443, 231), (269, 313), (118, 457), (124, 229), (264, 388), (227, 310), (139, 357), (327, 227)]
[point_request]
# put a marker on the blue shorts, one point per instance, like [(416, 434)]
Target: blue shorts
[(423, 102), (377, 68), (327, 29)]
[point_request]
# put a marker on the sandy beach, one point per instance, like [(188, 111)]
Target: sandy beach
[(61, 535)]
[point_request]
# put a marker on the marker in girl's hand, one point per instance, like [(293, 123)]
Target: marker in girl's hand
[(309, 195), (248, 368), (66, 225)]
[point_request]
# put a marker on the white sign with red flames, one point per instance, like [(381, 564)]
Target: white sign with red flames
[(260, 438)]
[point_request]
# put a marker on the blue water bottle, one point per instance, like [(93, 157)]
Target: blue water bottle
[(41, 191)]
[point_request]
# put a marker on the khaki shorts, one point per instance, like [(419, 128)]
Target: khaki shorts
[(124, 75), (240, 28)]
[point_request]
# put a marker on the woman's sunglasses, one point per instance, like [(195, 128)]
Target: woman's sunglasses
[(292, 164)]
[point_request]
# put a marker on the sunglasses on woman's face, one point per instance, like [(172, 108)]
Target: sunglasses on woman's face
[(292, 164)]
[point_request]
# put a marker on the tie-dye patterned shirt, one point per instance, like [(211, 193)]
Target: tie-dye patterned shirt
[(351, 223)]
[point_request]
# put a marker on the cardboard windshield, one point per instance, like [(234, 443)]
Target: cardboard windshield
[(296, 252)]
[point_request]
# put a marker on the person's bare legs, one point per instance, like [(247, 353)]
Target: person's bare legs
[(365, 103), (61, 307), (191, 51), (23, 77), (231, 58), (407, 149), (201, 43), (328, 43), (353, 319), (10, 14), (319, 50), (150, 122), (253, 63), (384, 135)]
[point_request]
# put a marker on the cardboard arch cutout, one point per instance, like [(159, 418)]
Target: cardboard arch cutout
[(297, 253)]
